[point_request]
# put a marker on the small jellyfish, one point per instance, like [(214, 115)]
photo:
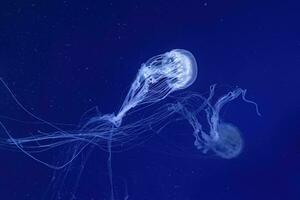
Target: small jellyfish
[(222, 138)]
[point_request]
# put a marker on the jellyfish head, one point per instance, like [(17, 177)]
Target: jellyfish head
[(228, 143), (183, 68), (178, 68)]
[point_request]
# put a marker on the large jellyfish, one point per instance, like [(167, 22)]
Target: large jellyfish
[(158, 77), (149, 95)]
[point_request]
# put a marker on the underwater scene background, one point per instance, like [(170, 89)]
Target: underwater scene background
[(62, 59)]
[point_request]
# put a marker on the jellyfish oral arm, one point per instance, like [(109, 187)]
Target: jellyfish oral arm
[(135, 96)]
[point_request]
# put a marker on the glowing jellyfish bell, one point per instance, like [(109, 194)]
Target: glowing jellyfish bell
[(185, 68), (229, 143)]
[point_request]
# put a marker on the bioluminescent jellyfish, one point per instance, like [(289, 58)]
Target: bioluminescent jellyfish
[(149, 96), (230, 143), (158, 77)]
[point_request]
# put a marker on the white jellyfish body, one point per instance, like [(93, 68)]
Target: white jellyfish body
[(158, 77), (178, 67), (187, 71)]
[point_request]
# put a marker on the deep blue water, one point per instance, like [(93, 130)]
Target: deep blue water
[(61, 58)]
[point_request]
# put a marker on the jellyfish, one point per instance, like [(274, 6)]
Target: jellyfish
[(158, 77), (222, 138), (149, 96)]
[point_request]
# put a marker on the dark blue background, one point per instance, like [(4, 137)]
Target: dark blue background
[(63, 57)]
